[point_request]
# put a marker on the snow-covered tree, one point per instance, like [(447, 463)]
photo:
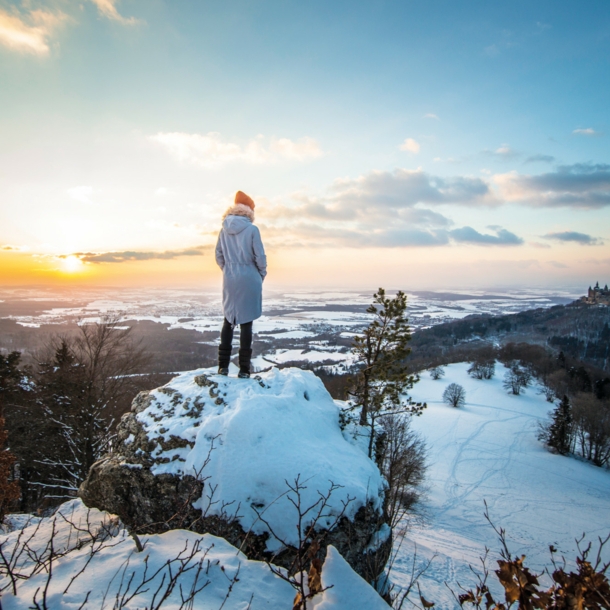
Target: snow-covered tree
[(454, 395)]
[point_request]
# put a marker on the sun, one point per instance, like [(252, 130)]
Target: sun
[(72, 264)]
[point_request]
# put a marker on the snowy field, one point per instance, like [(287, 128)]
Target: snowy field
[(488, 451), (299, 312)]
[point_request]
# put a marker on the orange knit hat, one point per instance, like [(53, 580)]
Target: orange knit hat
[(241, 197)]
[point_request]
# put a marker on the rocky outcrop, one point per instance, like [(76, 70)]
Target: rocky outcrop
[(215, 454)]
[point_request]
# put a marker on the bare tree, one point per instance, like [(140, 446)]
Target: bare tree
[(80, 386), (401, 456), (437, 372), (592, 423), (517, 378), (483, 365), (454, 395)]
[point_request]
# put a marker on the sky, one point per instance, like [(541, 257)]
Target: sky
[(408, 144)]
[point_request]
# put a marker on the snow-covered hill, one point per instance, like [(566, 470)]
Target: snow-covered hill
[(488, 451)]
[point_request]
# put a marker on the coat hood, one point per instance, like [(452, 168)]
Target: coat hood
[(235, 224)]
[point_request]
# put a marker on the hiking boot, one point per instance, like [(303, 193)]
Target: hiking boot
[(224, 358), (245, 355)]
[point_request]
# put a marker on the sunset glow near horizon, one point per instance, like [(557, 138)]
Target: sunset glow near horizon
[(409, 144)]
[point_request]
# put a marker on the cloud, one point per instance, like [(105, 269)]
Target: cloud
[(133, 255), (81, 194), (10, 248), (540, 159), (29, 32), (504, 152), (557, 265), (107, 8), (586, 132), (502, 237), (573, 236), (210, 150), (430, 115), (580, 186), (383, 209), (410, 145), (299, 150), (405, 188)]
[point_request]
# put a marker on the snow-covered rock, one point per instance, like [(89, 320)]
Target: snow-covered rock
[(177, 569), (219, 455), (343, 589)]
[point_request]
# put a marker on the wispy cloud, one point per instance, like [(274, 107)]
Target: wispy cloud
[(210, 150), (134, 255), (587, 132), (29, 31), (11, 248), (504, 152), (410, 145), (502, 237), (431, 115), (574, 236), (540, 159), (580, 186), (108, 9)]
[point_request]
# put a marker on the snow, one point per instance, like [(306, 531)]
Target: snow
[(17, 521), (264, 434), (353, 593), (108, 569), (296, 355), (488, 451), (117, 567), (291, 334)]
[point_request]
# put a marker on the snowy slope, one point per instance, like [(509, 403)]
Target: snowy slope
[(488, 451)]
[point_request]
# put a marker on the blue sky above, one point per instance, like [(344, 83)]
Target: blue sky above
[(455, 133)]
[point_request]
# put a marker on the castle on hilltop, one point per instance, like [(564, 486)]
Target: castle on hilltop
[(597, 295)]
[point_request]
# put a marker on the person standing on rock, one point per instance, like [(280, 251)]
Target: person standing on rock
[(241, 256)]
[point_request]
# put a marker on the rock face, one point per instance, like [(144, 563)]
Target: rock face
[(235, 458)]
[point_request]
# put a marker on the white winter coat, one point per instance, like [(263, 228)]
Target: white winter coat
[(241, 256)]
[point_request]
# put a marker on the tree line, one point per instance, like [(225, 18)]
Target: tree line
[(59, 411)]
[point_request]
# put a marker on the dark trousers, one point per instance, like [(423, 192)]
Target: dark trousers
[(245, 337), (226, 344)]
